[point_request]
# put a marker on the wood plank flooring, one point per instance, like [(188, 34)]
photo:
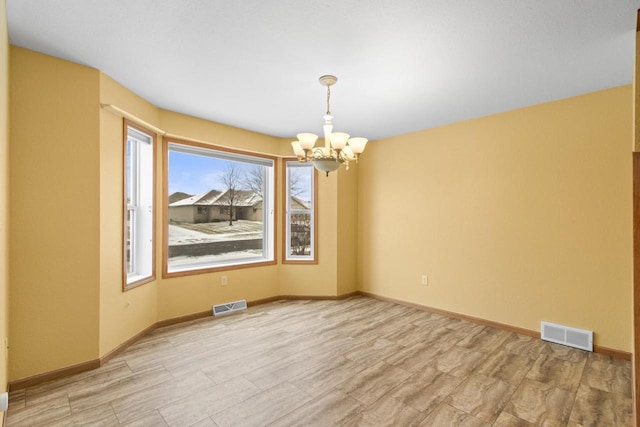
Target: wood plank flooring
[(354, 362)]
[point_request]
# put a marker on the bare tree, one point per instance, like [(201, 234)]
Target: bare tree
[(254, 180), (296, 186), (232, 180)]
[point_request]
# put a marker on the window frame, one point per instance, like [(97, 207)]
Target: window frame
[(285, 216), (126, 285), (167, 141)]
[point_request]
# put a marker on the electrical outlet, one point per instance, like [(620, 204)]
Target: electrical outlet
[(425, 280), (223, 281)]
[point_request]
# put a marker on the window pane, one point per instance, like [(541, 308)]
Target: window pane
[(129, 242), (216, 208), (128, 170), (139, 211), (300, 234), (300, 188)]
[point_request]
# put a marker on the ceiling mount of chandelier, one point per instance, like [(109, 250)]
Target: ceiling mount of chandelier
[(339, 148)]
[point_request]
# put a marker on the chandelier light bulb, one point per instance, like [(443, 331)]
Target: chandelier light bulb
[(307, 140), (357, 145), (339, 140), (297, 149)]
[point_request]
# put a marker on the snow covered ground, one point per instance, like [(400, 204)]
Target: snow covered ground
[(184, 236)]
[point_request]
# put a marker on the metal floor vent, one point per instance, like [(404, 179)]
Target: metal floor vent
[(578, 338), (229, 307)]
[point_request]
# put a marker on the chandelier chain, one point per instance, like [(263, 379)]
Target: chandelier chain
[(328, 99)]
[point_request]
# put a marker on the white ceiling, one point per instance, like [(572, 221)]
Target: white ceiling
[(402, 65)]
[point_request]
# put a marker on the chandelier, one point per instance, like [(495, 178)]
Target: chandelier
[(338, 148)]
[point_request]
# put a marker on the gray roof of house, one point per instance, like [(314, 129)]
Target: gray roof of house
[(204, 199), (220, 198), (243, 198), (303, 203)]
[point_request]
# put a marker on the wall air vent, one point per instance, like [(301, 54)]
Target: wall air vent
[(229, 307), (565, 335)]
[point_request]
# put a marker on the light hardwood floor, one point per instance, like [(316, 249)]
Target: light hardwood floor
[(354, 362)]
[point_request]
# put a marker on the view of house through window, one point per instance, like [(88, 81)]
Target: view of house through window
[(300, 215), (139, 210), (220, 208)]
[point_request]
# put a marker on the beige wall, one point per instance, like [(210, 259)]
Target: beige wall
[(347, 230), (517, 217), (321, 278), (4, 196), (122, 314), (179, 296), (125, 314), (180, 125), (335, 273), (636, 96), (54, 213)]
